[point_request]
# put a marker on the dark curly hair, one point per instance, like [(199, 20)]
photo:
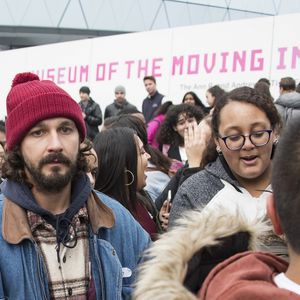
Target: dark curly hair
[(247, 95), (166, 133), (13, 166), (163, 109)]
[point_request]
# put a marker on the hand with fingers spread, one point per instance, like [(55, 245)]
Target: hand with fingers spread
[(195, 141)]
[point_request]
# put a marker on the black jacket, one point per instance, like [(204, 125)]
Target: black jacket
[(114, 108), (93, 117), (150, 105)]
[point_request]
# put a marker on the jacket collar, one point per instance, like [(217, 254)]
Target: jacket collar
[(166, 270), (118, 105), (15, 227), (221, 170)]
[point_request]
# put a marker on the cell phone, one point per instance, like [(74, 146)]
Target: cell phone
[(169, 200)]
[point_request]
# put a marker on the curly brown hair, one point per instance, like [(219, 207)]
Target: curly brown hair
[(166, 133)]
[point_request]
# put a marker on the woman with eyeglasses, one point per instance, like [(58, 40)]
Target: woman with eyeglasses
[(245, 127), (217, 209)]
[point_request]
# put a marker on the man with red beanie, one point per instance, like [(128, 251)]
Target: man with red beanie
[(59, 239)]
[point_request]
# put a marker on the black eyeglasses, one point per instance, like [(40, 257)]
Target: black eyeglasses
[(257, 138)]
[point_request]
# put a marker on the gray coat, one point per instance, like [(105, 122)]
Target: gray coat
[(288, 106), (199, 189)]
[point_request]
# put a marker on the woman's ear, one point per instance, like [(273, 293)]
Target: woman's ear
[(276, 137), (218, 148), (273, 215)]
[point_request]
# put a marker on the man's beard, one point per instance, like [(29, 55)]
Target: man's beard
[(55, 182)]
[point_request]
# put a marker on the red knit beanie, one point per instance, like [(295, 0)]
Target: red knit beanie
[(31, 101)]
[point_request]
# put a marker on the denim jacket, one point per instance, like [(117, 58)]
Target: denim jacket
[(116, 244)]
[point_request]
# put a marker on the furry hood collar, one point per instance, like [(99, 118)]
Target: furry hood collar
[(163, 274)]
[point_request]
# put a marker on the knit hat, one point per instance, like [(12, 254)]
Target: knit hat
[(85, 90), (32, 100), (120, 89)]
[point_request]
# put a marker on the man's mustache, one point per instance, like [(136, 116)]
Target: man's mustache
[(55, 158)]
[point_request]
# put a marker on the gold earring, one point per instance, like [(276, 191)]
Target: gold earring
[(132, 177)]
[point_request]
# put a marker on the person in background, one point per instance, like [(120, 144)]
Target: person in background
[(259, 275), (265, 80), (200, 150), (121, 174), (288, 103), (192, 99), (199, 146), (264, 89), (153, 100), (91, 112), (171, 133), (213, 95), (119, 103), (58, 239), (154, 125)]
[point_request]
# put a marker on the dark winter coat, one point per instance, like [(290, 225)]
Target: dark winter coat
[(93, 117), (114, 108)]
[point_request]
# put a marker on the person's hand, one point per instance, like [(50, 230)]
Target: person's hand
[(164, 214), (195, 141), (83, 115)]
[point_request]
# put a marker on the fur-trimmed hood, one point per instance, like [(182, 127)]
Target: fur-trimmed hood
[(163, 274)]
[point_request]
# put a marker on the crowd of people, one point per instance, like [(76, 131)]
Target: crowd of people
[(182, 201)]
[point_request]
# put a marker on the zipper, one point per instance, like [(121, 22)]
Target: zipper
[(39, 269), (100, 269)]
